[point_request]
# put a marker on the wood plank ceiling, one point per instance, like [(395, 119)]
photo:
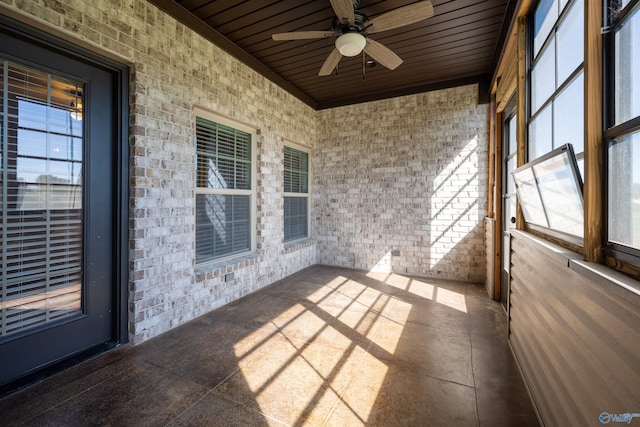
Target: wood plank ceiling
[(460, 44)]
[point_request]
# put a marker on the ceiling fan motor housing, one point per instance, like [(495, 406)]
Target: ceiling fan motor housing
[(358, 26)]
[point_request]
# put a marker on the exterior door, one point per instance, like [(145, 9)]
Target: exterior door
[(56, 208), (509, 151)]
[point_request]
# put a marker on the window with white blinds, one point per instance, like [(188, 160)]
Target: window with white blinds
[(224, 190), (41, 160), (296, 194)]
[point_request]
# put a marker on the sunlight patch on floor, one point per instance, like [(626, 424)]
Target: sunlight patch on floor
[(451, 299), (421, 289), (303, 368)]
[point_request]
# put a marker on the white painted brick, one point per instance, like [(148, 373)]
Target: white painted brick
[(422, 158), (392, 174)]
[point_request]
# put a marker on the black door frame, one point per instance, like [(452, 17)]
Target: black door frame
[(120, 76)]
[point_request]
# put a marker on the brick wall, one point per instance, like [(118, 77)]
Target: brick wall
[(406, 174), (174, 70)]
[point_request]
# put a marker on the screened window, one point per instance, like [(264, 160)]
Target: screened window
[(556, 79), (224, 190), (556, 88), (623, 134), (296, 194), (41, 206), (550, 192)]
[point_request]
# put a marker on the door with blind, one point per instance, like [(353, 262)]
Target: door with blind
[(56, 207), (509, 150)]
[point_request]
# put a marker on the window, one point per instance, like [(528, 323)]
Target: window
[(296, 194), (225, 189), (550, 192), (623, 132), (41, 206), (556, 79), (556, 88)]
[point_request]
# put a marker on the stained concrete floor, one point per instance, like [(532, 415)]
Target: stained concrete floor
[(325, 346)]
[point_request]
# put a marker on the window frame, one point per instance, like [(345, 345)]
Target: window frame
[(613, 251), (252, 192), (533, 58), (307, 195)]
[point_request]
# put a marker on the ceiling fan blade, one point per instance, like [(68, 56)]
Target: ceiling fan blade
[(382, 54), (330, 63), (302, 35), (344, 10), (400, 17)]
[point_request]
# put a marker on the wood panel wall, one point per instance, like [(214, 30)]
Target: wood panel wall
[(575, 333)]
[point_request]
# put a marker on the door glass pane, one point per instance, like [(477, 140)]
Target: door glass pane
[(568, 116), (506, 248), (569, 39), (41, 161), (624, 190), (513, 140), (509, 212), (511, 166), (543, 81), (627, 63)]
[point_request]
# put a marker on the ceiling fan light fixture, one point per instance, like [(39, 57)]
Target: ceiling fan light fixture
[(351, 44)]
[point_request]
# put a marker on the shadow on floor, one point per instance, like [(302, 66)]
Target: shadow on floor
[(325, 346)]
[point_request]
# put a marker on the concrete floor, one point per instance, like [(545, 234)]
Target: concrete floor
[(326, 346)]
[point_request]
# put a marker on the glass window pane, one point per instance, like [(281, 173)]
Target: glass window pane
[(529, 197), (295, 218), (296, 170), (569, 39), (560, 194), (563, 3), (296, 180), (223, 221), (222, 225), (545, 16), (568, 117), (624, 190), (627, 64), (540, 141), (543, 77)]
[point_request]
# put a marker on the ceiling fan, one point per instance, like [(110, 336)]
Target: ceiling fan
[(351, 27)]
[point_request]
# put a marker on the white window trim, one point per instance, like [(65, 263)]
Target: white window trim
[(253, 131), (306, 149)]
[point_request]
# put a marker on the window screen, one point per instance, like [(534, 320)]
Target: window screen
[(556, 79), (623, 133)]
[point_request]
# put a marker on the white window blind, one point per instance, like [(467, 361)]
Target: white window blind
[(223, 190), (41, 153), (296, 189)]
